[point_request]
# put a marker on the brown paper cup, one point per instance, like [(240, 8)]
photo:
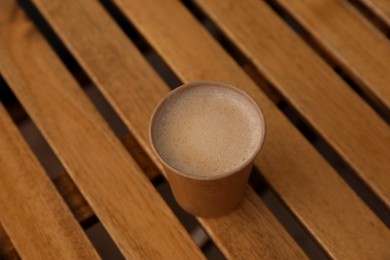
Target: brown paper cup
[(207, 196)]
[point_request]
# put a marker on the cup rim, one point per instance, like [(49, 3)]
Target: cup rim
[(200, 83)]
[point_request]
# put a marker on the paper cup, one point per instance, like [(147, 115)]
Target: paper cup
[(207, 196)]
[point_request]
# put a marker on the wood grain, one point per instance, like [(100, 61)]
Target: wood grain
[(379, 7), (115, 187), (311, 86), (352, 41), (32, 212), (319, 198), (134, 89)]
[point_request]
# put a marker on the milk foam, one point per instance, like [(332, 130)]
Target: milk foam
[(207, 130)]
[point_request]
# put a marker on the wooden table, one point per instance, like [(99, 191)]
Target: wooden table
[(319, 68)]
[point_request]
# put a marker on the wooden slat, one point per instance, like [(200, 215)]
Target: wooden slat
[(353, 42), (324, 203), (316, 91), (134, 89), (115, 187), (379, 7), (32, 212)]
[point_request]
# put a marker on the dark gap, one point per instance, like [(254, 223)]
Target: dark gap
[(89, 222), (257, 182), (216, 32), (378, 109), (211, 251), (354, 181), (31, 134), (159, 180), (288, 220), (106, 110), (126, 27), (55, 42), (335, 160), (143, 46), (305, 35), (296, 120), (262, 82), (371, 16), (189, 222), (162, 69), (12, 104), (41, 148), (293, 226), (7, 249), (103, 243)]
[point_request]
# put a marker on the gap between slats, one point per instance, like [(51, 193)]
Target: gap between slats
[(7, 250)]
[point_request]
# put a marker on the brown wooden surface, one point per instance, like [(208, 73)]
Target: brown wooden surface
[(134, 89), (324, 203), (379, 7), (31, 211), (353, 42), (115, 187), (311, 86)]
